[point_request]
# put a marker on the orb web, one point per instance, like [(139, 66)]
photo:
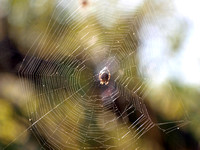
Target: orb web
[(76, 105)]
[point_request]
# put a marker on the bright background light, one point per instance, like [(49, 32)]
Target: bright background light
[(156, 54)]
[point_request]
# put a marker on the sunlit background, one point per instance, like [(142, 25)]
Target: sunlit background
[(167, 49)]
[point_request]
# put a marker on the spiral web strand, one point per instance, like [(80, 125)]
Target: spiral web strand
[(70, 109)]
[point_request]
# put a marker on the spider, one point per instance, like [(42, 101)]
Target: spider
[(104, 76)]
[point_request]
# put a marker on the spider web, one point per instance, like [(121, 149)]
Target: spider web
[(70, 109)]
